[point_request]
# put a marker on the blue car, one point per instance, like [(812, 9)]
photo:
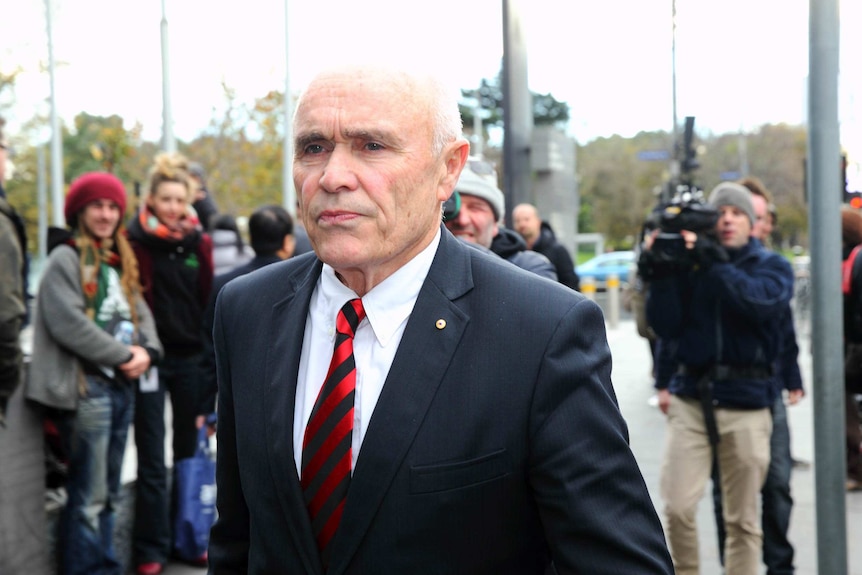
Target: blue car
[(604, 265)]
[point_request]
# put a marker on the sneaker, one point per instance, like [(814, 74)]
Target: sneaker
[(152, 568)]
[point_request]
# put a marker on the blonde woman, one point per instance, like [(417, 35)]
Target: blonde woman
[(176, 263)]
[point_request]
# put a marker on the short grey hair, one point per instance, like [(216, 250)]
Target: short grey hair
[(441, 99)]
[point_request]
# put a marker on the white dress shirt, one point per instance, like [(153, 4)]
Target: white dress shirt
[(387, 308)]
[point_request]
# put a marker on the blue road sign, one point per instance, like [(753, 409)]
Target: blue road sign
[(654, 155)]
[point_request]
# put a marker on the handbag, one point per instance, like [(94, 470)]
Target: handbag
[(196, 496)]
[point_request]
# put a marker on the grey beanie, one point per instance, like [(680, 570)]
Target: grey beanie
[(472, 184), (730, 194)]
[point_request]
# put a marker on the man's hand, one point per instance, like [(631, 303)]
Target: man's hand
[(795, 395), (663, 400), (135, 367)]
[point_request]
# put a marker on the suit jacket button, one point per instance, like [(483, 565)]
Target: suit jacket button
[(441, 323)]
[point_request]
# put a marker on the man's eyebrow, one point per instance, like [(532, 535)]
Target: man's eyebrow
[(385, 136), (302, 140)]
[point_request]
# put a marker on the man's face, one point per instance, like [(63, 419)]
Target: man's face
[(370, 186), (101, 218), (733, 227), (475, 221), (526, 221), (762, 228)]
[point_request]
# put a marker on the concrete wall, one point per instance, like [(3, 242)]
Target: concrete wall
[(23, 529), (555, 189)]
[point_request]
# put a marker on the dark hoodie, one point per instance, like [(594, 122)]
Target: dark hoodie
[(509, 245), (547, 245)]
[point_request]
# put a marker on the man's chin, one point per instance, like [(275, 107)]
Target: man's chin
[(465, 237)]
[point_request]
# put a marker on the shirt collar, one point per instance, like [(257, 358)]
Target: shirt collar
[(390, 302)]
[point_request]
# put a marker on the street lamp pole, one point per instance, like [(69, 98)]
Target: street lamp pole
[(287, 171), (56, 135), (674, 163), (168, 142)]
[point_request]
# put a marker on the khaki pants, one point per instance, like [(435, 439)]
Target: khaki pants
[(743, 453)]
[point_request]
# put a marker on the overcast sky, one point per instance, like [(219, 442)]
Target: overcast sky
[(740, 63)]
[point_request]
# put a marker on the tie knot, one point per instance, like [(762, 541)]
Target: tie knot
[(349, 317)]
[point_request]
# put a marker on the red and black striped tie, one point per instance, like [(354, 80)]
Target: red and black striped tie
[(326, 452)]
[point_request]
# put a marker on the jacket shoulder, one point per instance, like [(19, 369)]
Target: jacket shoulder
[(272, 282)]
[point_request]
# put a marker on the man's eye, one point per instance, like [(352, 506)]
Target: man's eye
[(313, 149), (373, 146)]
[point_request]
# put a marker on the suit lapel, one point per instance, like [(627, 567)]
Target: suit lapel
[(285, 332), (423, 357)]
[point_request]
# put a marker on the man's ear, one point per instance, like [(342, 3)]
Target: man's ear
[(288, 246), (455, 157)]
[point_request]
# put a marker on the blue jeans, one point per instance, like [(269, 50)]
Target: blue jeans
[(180, 376), (95, 438), (775, 496)]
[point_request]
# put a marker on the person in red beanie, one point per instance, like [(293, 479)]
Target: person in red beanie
[(93, 338)]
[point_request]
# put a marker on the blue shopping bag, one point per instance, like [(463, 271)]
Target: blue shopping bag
[(196, 497)]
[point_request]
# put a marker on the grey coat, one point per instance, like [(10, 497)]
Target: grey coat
[(12, 308), (62, 333)]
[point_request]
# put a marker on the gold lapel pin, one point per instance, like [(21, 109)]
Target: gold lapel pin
[(441, 323)]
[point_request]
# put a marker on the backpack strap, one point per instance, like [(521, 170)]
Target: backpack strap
[(847, 270)]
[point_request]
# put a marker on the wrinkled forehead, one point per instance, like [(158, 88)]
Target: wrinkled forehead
[(357, 98)]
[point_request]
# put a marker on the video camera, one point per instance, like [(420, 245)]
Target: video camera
[(681, 206)]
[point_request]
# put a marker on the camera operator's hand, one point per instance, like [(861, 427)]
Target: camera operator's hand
[(666, 255), (690, 239)]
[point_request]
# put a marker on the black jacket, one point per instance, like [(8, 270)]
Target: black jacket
[(548, 246)]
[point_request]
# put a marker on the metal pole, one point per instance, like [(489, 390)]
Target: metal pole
[(673, 65), (478, 135), (517, 111), (612, 286), (824, 185), (169, 144), (42, 201), (57, 199), (287, 171)]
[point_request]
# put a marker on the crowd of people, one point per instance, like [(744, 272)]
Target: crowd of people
[(429, 422), (123, 322)]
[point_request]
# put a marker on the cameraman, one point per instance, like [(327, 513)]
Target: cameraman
[(719, 318)]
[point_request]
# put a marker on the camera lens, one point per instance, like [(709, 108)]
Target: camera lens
[(452, 206)]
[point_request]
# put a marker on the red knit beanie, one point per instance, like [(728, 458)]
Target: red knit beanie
[(91, 187)]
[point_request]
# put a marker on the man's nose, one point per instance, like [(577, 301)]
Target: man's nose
[(339, 172)]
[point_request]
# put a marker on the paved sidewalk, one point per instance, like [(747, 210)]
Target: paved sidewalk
[(647, 426)]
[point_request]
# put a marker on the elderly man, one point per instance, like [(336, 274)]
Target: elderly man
[(478, 207), (465, 423), (720, 324)]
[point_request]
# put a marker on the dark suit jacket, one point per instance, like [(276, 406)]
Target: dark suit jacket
[(496, 445)]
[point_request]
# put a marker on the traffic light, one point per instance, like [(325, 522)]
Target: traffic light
[(854, 199)]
